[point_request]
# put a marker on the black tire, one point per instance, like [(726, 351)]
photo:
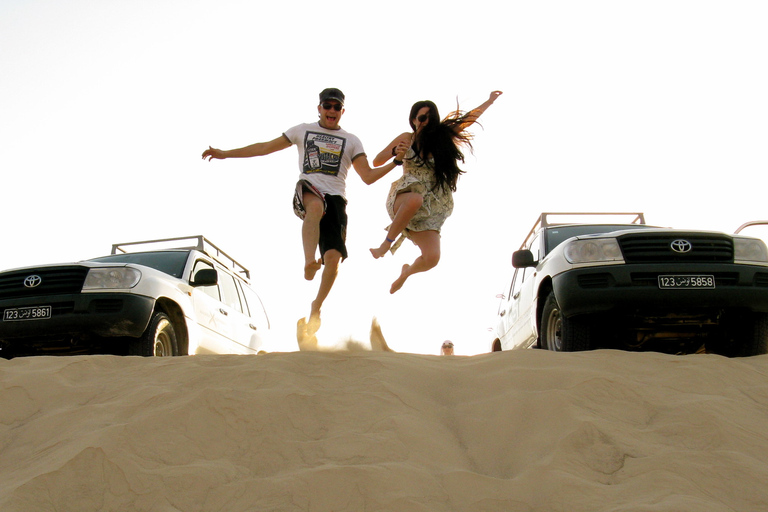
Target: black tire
[(158, 340), (743, 336), (561, 334), (755, 338)]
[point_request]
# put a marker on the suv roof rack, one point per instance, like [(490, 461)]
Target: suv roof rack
[(202, 244), (543, 221), (751, 223), (637, 217)]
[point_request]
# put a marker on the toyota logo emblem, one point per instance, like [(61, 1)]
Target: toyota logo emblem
[(681, 246), (33, 281)]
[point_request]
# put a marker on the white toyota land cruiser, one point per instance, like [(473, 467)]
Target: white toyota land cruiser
[(626, 285), (157, 302)]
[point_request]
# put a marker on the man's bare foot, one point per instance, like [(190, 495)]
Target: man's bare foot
[(381, 250), (311, 268), (313, 325), (306, 341), (400, 281)]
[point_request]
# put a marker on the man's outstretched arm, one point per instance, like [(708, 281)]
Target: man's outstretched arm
[(258, 149)]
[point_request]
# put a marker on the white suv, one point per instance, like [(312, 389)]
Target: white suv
[(168, 301), (592, 283)]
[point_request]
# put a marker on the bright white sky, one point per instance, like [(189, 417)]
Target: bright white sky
[(657, 106)]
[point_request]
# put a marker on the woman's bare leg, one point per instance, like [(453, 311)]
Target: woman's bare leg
[(429, 243), (406, 206)]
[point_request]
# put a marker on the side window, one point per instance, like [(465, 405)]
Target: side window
[(213, 291), (534, 247), (229, 294), (255, 306), (517, 283)]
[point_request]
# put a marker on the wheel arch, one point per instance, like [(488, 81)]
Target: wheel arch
[(176, 314), (545, 288)]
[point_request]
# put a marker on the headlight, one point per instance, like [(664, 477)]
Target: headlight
[(592, 251), (749, 249), (111, 278)]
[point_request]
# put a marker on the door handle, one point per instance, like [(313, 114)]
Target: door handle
[(253, 327), (223, 311), (503, 313)]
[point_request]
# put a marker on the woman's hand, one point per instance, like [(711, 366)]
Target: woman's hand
[(401, 149), (494, 95)]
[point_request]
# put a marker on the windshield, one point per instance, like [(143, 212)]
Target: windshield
[(169, 262), (559, 234)]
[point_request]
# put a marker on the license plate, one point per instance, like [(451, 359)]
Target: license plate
[(28, 313), (676, 282)]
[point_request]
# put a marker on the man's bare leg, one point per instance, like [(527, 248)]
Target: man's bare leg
[(406, 206), (310, 233), (332, 259), (429, 243)]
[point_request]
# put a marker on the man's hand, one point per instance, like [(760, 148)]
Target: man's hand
[(212, 153)]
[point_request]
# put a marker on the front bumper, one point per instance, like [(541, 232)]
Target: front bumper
[(634, 287), (80, 315)]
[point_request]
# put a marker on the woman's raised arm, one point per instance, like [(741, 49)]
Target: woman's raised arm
[(475, 113)]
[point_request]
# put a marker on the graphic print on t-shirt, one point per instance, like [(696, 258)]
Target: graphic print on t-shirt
[(322, 153)]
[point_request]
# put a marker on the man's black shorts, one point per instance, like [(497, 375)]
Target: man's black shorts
[(333, 225)]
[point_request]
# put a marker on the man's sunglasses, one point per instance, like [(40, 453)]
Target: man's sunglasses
[(334, 106)]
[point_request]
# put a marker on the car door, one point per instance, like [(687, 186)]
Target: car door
[(523, 331), (241, 328), (258, 325), (509, 310), (210, 315)]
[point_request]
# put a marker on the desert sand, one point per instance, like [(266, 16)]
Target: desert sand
[(381, 431)]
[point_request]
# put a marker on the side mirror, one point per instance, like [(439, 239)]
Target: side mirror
[(522, 259), (205, 277)]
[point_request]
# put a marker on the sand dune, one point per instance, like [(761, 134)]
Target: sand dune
[(377, 431)]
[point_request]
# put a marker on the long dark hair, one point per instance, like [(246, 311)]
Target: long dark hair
[(441, 140)]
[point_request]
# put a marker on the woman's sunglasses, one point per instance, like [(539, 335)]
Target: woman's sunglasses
[(334, 106), (422, 118)]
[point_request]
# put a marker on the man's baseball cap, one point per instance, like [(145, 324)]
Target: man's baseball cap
[(332, 94)]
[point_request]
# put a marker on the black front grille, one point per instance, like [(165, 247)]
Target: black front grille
[(53, 280), (657, 248)]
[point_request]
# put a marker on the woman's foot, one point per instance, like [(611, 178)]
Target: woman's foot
[(381, 250), (400, 281)]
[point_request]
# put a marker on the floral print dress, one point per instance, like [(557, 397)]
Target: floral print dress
[(438, 202)]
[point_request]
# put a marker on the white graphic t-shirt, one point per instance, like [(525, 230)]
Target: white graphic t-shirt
[(325, 155)]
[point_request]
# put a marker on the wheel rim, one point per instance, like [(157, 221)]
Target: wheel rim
[(163, 346), (554, 331)]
